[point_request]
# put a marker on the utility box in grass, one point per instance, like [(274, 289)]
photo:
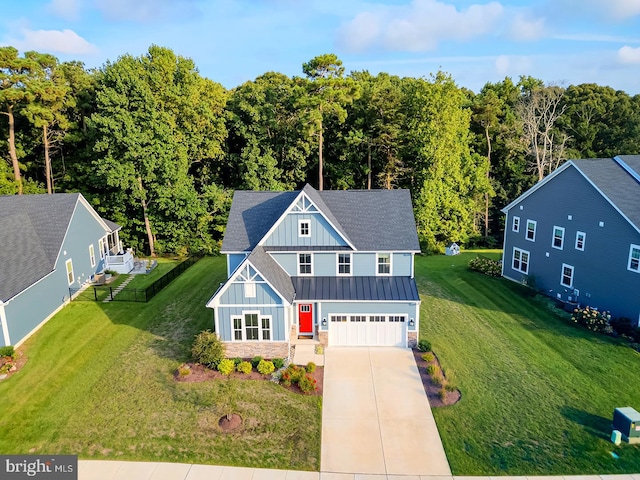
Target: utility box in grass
[(627, 421)]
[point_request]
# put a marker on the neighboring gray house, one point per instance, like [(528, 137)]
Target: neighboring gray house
[(335, 266), (575, 235), (49, 244)]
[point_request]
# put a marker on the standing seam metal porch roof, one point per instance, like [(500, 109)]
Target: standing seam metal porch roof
[(356, 288)]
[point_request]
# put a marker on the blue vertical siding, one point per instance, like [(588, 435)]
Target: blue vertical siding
[(265, 295), (324, 264), (364, 264), (288, 261), (277, 314), (600, 271), (322, 234), (401, 265), (233, 260)]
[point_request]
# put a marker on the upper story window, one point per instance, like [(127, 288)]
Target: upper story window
[(581, 237), (558, 237), (566, 279), (515, 225), (304, 228), (384, 263), (634, 258), (304, 264), (344, 264), (520, 260), (92, 256), (531, 230)]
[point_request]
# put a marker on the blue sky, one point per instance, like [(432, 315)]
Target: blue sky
[(232, 41)]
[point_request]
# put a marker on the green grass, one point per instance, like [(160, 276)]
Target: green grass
[(98, 383), (538, 392), (142, 281)]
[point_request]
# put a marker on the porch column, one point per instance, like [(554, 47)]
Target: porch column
[(5, 327)]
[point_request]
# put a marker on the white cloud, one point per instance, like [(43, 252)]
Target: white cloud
[(524, 28), (629, 56), (510, 65), (55, 41), (419, 26), (619, 8), (145, 10), (598, 9), (67, 9)]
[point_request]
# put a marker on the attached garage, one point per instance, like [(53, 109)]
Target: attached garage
[(368, 330)]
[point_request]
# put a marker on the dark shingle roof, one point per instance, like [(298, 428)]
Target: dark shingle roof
[(33, 228), (372, 220), (112, 225), (356, 288), (272, 272), (615, 182)]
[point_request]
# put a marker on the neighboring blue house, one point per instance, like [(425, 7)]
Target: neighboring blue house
[(575, 235), (49, 244), (335, 266)]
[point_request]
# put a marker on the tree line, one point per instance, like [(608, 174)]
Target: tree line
[(160, 149)]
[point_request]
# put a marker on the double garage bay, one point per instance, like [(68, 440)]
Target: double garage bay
[(368, 330)]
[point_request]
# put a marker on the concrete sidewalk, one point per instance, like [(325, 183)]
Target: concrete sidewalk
[(115, 470), (376, 418)]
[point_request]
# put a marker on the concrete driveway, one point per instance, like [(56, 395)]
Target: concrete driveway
[(376, 417)]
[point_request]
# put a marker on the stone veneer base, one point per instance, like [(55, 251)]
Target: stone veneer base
[(267, 350)]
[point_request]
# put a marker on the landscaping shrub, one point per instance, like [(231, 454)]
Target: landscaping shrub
[(244, 367), (450, 379), (442, 393), (433, 370), (285, 378), (594, 320), (265, 367), (311, 367), (7, 351), (256, 360), (296, 373), (627, 327), (428, 357), (226, 366), (237, 361), (307, 384), (438, 379), (424, 346), (278, 363), (207, 349), (319, 350), (485, 265), (184, 370)]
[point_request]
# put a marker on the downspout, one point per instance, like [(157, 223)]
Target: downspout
[(3, 322)]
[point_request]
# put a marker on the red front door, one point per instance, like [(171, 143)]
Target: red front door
[(305, 319)]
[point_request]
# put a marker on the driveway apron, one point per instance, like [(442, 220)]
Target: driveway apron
[(376, 418)]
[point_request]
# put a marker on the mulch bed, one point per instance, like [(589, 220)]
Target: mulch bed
[(200, 373), (431, 389), (17, 362)]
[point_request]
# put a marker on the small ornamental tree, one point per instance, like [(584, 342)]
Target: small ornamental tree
[(207, 349)]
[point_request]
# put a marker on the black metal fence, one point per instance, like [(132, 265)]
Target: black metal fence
[(100, 293)]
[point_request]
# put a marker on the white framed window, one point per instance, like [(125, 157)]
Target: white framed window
[(634, 258), (305, 308), (397, 318), (515, 224), (377, 318), (250, 289), (357, 318), (338, 318), (69, 266), (558, 237), (383, 261), (305, 266), (92, 256), (531, 230), (251, 326), (344, 264), (581, 238), (304, 228), (566, 279), (520, 260), (101, 247)]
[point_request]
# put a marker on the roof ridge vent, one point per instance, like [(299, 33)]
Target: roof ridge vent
[(627, 168)]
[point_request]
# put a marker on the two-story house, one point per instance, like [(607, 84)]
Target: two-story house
[(50, 245), (575, 235), (336, 266)]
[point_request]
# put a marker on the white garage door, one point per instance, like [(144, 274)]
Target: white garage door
[(368, 330)]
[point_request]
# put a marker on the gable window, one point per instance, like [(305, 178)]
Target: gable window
[(304, 228), (92, 255), (250, 289), (515, 226), (384, 263), (567, 276), (520, 260), (558, 237), (531, 230), (634, 258), (304, 264), (580, 239), (344, 264), (69, 265)]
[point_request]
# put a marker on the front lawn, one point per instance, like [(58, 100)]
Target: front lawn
[(538, 393), (98, 383)]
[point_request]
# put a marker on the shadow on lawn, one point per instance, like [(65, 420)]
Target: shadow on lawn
[(593, 424)]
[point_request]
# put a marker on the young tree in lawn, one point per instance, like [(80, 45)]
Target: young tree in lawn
[(328, 92)]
